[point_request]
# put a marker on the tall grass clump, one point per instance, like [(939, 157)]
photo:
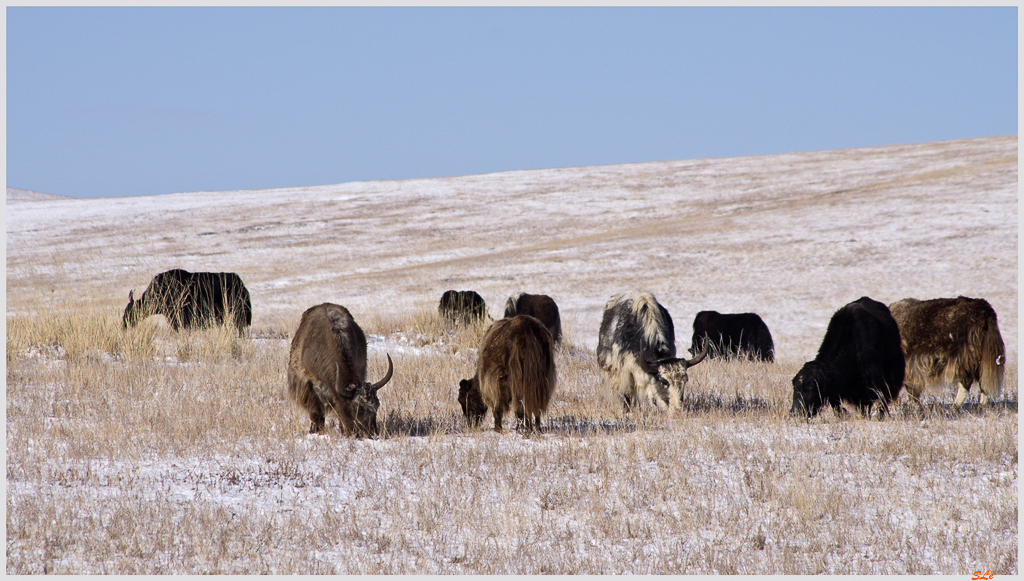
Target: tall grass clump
[(212, 344), (74, 335)]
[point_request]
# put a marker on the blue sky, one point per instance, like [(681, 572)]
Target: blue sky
[(142, 101)]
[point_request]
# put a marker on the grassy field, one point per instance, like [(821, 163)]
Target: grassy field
[(156, 452), (151, 451)]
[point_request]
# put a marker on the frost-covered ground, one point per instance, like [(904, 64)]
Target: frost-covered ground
[(181, 482)]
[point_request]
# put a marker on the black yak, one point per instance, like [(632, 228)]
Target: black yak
[(740, 335), (636, 352), (327, 371), (859, 361), (515, 369), (541, 307), (192, 299), (461, 307), (950, 340)]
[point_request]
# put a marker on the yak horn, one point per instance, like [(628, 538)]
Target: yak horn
[(387, 377), (131, 296), (699, 358)]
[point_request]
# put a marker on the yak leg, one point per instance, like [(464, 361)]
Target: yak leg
[(532, 423), (961, 395), (522, 420), (316, 416), (499, 412), (629, 403), (837, 407), (316, 423)]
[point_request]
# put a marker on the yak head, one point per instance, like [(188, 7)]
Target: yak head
[(807, 389), (134, 312), (667, 377), (358, 405), (473, 406)]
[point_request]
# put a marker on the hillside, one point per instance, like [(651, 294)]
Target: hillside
[(792, 237)]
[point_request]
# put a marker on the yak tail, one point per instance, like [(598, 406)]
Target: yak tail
[(993, 359), (531, 374)]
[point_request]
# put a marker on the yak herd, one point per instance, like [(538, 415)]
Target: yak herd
[(870, 351)]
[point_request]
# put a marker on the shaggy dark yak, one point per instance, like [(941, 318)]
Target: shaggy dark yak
[(461, 307), (636, 352), (327, 371), (951, 341), (859, 361), (738, 335), (192, 299), (541, 307), (515, 368)]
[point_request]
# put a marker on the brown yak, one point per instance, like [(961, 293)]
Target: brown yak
[(327, 371), (541, 306), (515, 368), (952, 341)]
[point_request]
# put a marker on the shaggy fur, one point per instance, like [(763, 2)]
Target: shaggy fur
[(515, 369), (461, 307), (636, 352), (327, 371), (541, 307), (951, 341), (859, 361), (192, 299), (737, 335)]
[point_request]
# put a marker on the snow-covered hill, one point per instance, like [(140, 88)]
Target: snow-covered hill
[(792, 237)]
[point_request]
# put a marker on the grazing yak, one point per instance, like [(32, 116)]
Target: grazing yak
[(742, 334), (636, 351), (541, 307), (327, 371), (950, 340), (461, 307), (192, 299), (515, 368), (859, 361)]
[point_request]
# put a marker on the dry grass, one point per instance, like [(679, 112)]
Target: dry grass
[(191, 460)]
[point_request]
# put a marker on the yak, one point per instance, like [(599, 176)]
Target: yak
[(542, 307), (192, 300), (636, 352), (860, 361), (327, 371), (515, 368), (739, 335), (461, 307), (952, 341)]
